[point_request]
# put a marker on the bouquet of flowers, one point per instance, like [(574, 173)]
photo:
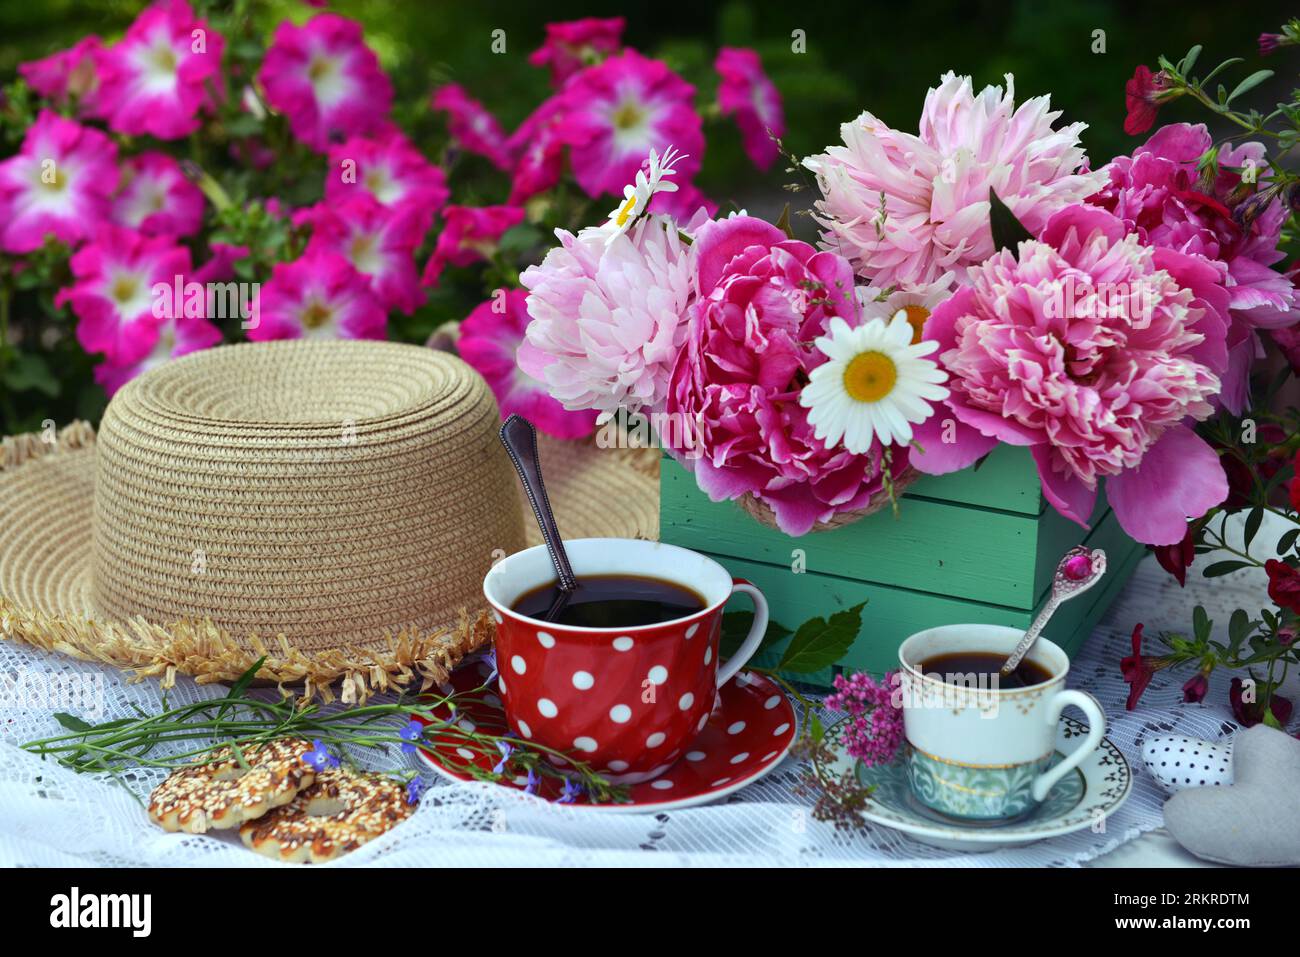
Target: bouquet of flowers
[(209, 177)]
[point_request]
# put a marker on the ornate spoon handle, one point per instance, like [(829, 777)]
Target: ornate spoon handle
[(1078, 571)]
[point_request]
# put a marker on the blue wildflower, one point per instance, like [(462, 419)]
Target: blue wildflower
[(415, 790), (506, 750), (490, 658), (410, 734), (319, 758), (533, 781), (572, 791)]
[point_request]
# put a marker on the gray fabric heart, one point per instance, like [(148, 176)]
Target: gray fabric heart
[(1250, 822)]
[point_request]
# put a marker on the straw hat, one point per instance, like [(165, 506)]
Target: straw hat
[(332, 506)]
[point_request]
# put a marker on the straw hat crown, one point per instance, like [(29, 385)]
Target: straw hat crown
[(331, 492)]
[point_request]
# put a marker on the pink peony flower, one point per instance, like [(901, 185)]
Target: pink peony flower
[(59, 184), (607, 317), (319, 296), (472, 127), (538, 151), (470, 235), (489, 341), (615, 113), (156, 197), (1158, 194), (392, 171), (747, 94), (174, 338), (934, 214), (1089, 352), (379, 242), (158, 77), (576, 44), (70, 75), (114, 296), (763, 300), (324, 78)]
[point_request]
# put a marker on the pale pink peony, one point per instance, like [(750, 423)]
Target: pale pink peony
[(470, 235), (537, 150), (472, 127), (608, 318), (576, 44), (746, 94), (324, 78), (162, 73), (1041, 353), (69, 76), (59, 184), (389, 169), (114, 296), (764, 299), (156, 197), (489, 341), (1159, 193), (935, 185), (615, 113), (319, 296), (379, 242)]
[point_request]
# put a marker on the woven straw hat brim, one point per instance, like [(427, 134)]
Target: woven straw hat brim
[(47, 595)]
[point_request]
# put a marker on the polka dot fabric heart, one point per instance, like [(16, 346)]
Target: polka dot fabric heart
[(745, 737)]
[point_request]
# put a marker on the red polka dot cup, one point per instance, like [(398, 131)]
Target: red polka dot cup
[(627, 701)]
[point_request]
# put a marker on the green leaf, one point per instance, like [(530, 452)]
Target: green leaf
[(1248, 84), (1287, 541), (820, 643), (1253, 519), (72, 722), (1189, 61), (243, 681), (1201, 624), (736, 625), (1238, 629), (783, 223), (1225, 568), (519, 239), (1008, 232), (30, 373)]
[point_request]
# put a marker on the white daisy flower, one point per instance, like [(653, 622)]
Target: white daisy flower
[(876, 384), (918, 301), (637, 196)]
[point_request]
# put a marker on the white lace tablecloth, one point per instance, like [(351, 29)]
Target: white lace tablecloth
[(52, 816)]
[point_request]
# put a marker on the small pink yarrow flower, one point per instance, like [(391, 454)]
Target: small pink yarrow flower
[(746, 94), (470, 235), (874, 730), (318, 296), (59, 184), (162, 73), (157, 198), (489, 341), (325, 79), (576, 44)]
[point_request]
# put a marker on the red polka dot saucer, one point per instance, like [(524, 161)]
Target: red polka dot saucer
[(749, 731)]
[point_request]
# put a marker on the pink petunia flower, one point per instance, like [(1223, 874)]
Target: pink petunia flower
[(907, 208), (1088, 352), (608, 317), (615, 113), (747, 94), (324, 78), (379, 242), (389, 169), (319, 296), (472, 127), (537, 149), (162, 73), (683, 204), (156, 197), (489, 340), (59, 184), (220, 266), (576, 44), (175, 338), (69, 75), (764, 298), (118, 275), (469, 236)]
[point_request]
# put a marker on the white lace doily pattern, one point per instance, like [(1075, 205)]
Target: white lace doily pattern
[(50, 815)]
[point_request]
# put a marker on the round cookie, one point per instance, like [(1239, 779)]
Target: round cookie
[(219, 792), (337, 814)]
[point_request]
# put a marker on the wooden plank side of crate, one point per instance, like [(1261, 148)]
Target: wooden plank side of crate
[(959, 550), (1007, 479)]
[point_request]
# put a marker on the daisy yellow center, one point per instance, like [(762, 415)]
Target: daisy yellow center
[(916, 316), (627, 116), (870, 376), (625, 210)]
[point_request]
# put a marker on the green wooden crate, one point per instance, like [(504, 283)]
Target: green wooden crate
[(974, 546)]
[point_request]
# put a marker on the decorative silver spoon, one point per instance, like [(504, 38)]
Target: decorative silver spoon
[(1079, 570)]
